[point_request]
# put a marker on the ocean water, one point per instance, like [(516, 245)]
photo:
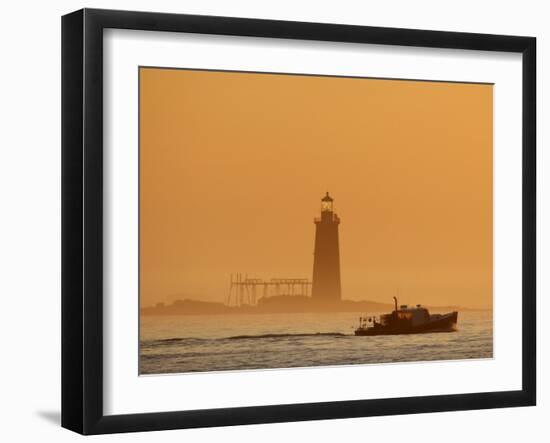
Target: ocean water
[(191, 343)]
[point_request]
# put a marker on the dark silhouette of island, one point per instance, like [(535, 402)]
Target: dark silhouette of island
[(283, 304)]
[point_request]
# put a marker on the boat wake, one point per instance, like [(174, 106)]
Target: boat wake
[(168, 341), (315, 334)]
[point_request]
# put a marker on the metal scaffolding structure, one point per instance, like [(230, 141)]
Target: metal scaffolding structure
[(245, 291)]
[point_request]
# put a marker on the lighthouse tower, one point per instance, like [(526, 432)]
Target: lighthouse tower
[(326, 256)]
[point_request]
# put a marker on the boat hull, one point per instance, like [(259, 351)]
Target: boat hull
[(443, 323)]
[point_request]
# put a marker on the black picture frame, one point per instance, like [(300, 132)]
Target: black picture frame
[(82, 220)]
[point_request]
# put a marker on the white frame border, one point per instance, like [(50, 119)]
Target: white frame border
[(125, 392)]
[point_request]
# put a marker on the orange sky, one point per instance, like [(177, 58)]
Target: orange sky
[(233, 167)]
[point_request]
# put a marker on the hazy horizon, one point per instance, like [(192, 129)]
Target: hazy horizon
[(233, 167)]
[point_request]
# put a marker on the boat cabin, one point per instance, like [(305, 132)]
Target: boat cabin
[(416, 315), (412, 316)]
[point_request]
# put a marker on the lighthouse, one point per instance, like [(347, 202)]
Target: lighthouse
[(326, 255)]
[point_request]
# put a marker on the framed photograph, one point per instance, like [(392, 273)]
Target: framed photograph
[(268, 221)]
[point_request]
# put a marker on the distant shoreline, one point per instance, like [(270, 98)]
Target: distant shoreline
[(280, 305)]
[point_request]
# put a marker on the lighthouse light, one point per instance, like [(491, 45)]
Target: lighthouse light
[(326, 203)]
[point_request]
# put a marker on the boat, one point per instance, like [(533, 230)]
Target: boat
[(407, 320)]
